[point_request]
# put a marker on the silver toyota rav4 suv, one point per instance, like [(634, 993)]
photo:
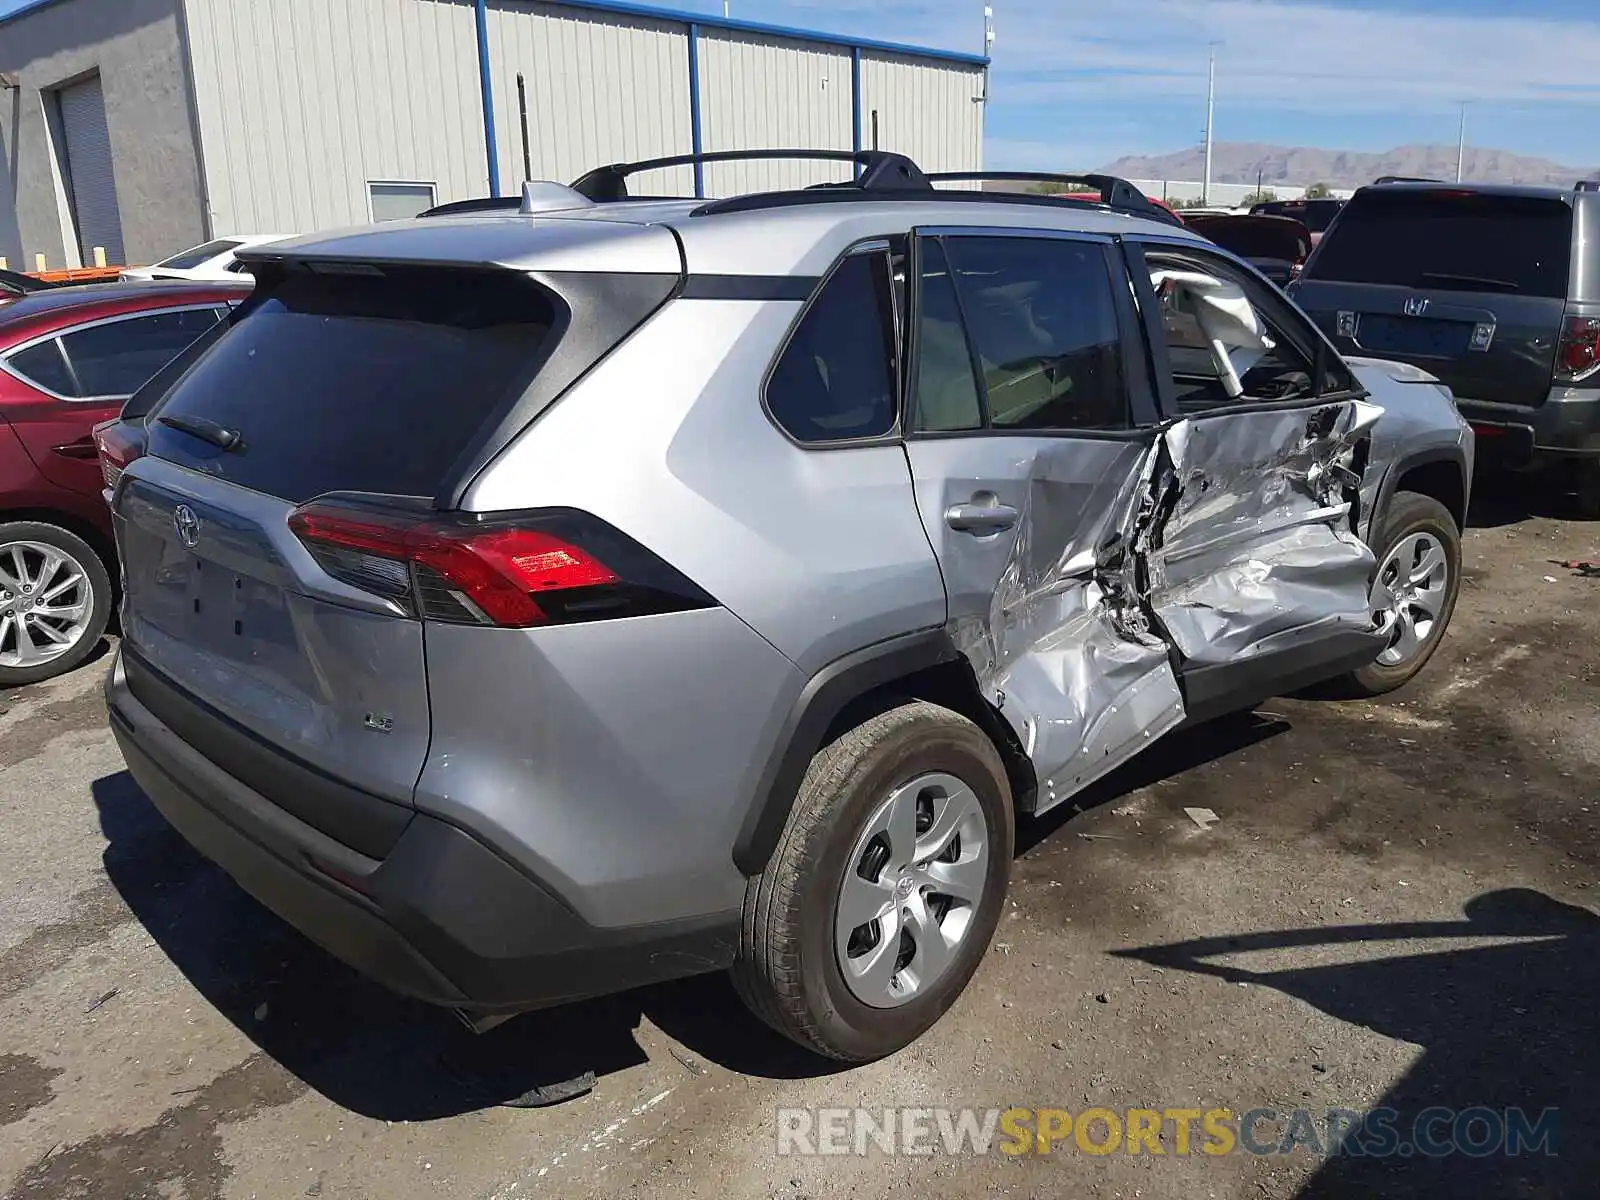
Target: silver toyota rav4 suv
[(529, 604)]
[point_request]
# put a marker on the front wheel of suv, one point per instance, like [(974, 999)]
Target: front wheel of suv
[(1418, 548), (55, 600), (885, 888)]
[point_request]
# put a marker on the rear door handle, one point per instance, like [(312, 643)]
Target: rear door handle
[(980, 518)]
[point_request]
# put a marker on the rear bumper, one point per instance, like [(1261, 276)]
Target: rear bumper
[(440, 917), (1566, 425)]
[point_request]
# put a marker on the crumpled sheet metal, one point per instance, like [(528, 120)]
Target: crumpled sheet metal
[(1058, 533), (1236, 605), (1064, 650), (1259, 542), (1088, 698)]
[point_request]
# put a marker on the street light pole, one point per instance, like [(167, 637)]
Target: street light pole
[(1211, 99), (1461, 143)]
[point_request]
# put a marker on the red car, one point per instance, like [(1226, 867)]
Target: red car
[(69, 357)]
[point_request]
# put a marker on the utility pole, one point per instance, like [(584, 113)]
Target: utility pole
[(1461, 143), (1211, 99)]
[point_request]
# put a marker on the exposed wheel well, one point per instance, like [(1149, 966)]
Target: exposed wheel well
[(950, 685), (1443, 480)]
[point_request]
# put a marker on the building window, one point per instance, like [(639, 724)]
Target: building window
[(399, 201)]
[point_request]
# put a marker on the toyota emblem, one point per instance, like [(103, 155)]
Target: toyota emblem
[(187, 525)]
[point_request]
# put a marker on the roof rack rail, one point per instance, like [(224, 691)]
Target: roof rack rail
[(1587, 185), (880, 169), (1404, 179), (1114, 192)]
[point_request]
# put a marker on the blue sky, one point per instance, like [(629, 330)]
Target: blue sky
[(1077, 83)]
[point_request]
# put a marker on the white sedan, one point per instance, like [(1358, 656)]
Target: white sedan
[(213, 260)]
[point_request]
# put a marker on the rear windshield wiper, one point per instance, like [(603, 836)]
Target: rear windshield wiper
[(1467, 281), (207, 431)]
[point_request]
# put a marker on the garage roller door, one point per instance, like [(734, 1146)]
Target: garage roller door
[(90, 181)]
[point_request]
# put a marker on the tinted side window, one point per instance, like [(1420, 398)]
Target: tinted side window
[(44, 366), (118, 358), (1043, 321), (947, 390), (834, 380), (1450, 240)]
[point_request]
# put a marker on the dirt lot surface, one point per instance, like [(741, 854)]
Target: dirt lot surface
[(1397, 906)]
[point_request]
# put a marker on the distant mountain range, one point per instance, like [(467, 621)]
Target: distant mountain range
[(1244, 162)]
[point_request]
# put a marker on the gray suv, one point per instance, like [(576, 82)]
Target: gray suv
[(530, 605), (1493, 288)]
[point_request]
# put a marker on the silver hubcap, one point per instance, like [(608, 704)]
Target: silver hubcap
[(1409, 594), (911, 890), (44, 603)]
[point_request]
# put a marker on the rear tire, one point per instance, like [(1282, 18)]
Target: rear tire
[(842, 843), (48, 625), (1414, 525)]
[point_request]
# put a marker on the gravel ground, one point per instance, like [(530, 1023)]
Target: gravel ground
[(1396, 907)]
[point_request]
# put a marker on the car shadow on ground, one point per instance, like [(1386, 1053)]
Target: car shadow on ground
[(1510, 1025), (362, 1046), (1502, 498), (389, 1058)]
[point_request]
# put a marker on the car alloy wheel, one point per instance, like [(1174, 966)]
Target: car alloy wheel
[(46, 604), (910, 889)]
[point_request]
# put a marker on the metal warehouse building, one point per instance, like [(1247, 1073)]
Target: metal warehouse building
[(143, 126)]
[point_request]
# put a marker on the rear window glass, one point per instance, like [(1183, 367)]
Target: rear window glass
[(1456, 242), (191, 258), (1315, 215), (359, 383), (1254, 238)]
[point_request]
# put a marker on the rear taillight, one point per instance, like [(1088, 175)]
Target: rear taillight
[(117, 444), (544, 568), (1579, 354)]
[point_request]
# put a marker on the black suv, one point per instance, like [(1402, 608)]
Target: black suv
[(1493, 288)]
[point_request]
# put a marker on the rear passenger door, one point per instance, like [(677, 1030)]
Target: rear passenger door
[(1031, 435), (1257, 575)]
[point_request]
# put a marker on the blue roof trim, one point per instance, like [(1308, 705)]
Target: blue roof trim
[(707, 21), (34, 6)]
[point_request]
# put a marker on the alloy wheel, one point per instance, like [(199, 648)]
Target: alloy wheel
[(46, 603)]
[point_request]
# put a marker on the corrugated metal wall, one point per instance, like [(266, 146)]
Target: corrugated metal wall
[(302, 102), (601, 88), (926, 109), (758, 91)]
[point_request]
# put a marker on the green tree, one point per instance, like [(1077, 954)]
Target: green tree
[(1260, 197), (1318, 191)]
